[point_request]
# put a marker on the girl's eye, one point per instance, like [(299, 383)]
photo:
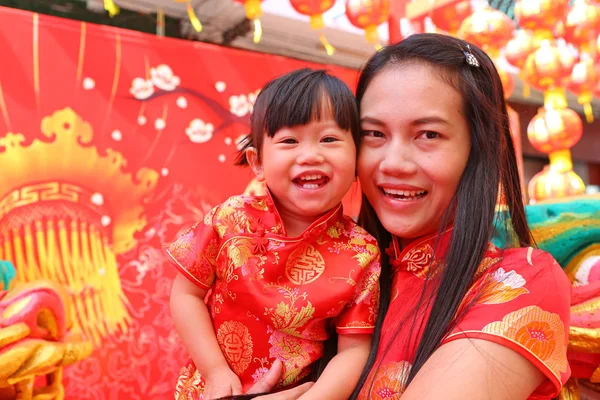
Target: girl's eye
[(329, 139), (370, 133), (430, 135), (289, 141)]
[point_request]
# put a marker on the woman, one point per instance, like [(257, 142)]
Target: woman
[(460, 318), (465, 318)]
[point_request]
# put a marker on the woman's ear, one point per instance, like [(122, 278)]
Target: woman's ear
[(255, 164)]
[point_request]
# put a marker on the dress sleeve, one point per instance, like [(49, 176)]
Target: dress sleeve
[(195, 251), (523, 304), (360, 314)]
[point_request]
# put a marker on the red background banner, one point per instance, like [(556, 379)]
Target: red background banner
[(115, 140)]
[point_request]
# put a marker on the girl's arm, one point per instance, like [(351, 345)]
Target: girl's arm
[(192, 322), (343, 371), (474, 369)]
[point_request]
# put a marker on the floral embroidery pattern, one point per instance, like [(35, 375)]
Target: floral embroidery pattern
[(286, 317), (190, 384), (539, 331), (389, 382), (502, 287), (295, 352)]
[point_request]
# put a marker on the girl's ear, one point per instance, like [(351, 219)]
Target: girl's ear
[(255, 164)]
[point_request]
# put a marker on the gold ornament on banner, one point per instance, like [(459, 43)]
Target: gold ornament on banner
[(56, 224)]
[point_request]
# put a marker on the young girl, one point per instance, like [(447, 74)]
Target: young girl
[(282, 268)]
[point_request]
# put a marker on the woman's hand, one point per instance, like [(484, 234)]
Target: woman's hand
[(270, 379), (221, 382)]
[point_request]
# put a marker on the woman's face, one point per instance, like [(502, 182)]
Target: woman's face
[(415, 146)]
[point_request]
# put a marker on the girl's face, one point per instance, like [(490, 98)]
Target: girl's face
[(308, 168), (415, 146)]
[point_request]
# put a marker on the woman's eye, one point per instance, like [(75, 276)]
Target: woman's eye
[(376, 134), (430, 135)]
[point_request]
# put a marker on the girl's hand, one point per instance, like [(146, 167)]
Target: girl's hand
[(270, 379), (221, 383)]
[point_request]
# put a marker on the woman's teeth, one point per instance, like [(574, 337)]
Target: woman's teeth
[(404, 194)]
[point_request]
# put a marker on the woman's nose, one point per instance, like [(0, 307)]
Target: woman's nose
[(398, 160)]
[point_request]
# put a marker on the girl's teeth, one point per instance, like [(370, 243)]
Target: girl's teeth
[(310, 186), (311, 177)]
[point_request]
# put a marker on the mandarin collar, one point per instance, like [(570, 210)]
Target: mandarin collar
[(315, 229)]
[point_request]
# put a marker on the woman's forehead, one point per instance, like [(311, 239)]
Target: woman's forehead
[(414, 90)]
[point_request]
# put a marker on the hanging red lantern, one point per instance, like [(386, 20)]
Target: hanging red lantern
[(489, 29), (367, 15), (315, 9), (554, 182), (519, 48), (253, 13), (548, 67), (540, 16), (582, 25), (449, 17), (554, 129), (583, 82)]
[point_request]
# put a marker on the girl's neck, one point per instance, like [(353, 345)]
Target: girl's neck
[(295, 225)]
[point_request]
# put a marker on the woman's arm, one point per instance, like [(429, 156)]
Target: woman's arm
[(193, 323), (474, 369), (343, 371)]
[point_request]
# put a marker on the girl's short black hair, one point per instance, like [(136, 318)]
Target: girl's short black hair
[(297, 98)]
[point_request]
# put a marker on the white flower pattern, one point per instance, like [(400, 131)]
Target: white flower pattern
[(163, 78), (199, 132), (141, 88)]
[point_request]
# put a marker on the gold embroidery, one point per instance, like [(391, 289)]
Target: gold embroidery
[(259, 204), (305, 265), (418, 260), (294, 352), (235, 341), (286, 317), (334, 231), (390, 381), (190, 384), (539, 331)]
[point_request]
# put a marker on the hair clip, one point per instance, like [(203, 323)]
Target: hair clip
[(471, 59)]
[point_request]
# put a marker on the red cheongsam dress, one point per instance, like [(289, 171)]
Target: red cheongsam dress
[(519, 298), (274, 296)]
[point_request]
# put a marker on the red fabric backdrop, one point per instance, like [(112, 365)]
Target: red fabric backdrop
[(178, 124)]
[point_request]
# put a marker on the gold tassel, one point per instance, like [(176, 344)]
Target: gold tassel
[(41, 248), (329, 49), (193, 18), (589, 113), (30, 252), (160, 22), (19, 256), (76, 255), (111, 7), (257, 31)]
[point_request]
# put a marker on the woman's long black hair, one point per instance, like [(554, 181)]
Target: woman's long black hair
[(491, 166)]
